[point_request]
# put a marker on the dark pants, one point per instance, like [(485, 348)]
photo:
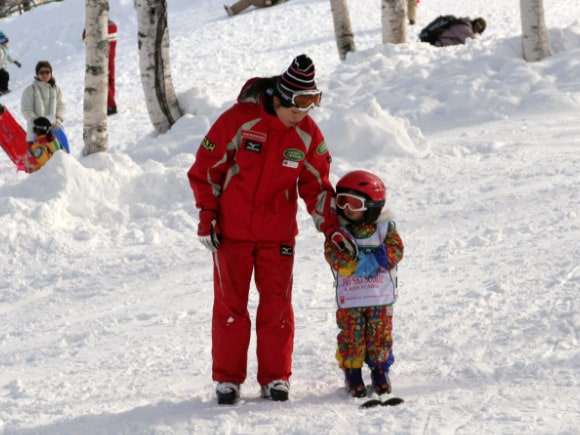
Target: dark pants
[(4, 78)]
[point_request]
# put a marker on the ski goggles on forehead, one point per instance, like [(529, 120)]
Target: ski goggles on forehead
[(354, 202), (306, 100)]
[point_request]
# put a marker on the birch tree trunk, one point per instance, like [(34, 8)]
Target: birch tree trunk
[(342, 29), (153, 42), (95, 126), (534, 33), (393, 15)]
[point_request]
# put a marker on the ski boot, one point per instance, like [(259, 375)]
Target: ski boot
[(381, 381), (276, 390), (227, 393), (354, 383)]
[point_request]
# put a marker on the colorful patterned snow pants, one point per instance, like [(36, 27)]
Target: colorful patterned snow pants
[(365, 336)]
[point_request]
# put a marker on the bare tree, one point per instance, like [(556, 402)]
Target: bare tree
[(153, 40), (534, 33), (95, 126), (342, 28), (393, 15)]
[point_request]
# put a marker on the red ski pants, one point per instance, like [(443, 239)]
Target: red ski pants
[(271, 264), (111, 103)]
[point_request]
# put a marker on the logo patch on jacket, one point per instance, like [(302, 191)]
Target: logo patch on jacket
[(290, 164), (322, 148), (255, 147), (294, 154), (254, 135), (286, 250), (207, 144)]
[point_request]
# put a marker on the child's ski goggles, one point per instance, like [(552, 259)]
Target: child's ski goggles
[(306, 100), (354, 202)]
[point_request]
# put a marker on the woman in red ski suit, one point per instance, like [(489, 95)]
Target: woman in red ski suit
[(250, 168)]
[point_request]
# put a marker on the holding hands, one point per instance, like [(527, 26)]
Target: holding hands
[(341, 240)]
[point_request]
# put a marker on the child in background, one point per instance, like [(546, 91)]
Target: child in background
[(45, 144), (5, 59), (365, 284)]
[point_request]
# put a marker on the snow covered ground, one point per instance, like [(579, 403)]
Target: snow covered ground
[(105, 293)]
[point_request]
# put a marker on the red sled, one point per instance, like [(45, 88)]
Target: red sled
[(13, 141)]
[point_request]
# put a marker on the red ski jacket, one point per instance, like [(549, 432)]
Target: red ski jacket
[(251, 169)]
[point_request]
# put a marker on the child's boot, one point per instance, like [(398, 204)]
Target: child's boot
[(354, 383), (381, 381)]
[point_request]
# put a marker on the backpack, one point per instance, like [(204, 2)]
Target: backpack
[(432, 31)]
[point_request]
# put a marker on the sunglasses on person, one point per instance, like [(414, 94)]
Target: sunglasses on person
[(44, 71), (306, 100)]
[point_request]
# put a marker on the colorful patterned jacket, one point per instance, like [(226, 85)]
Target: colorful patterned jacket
[(345, 265), (42, 150)]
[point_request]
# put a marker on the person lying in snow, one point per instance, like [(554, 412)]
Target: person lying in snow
[(449, 30), (242, 5)]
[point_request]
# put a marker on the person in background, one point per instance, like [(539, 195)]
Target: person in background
[(5, 59), (412, 11), (458, 32), (251, 167), (365, 284), (44, 98), (112, 37), (44, 146), (242, 5), (448, 30)]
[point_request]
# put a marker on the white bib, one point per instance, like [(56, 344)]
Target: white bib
[(381, 289)]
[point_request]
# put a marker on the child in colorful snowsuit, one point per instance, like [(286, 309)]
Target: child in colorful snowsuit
[(365, 284), (45, 144)]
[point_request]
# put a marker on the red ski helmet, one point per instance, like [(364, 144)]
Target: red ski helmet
[(369, 186)]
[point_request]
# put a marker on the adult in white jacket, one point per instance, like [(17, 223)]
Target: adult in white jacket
[(43, 98)]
